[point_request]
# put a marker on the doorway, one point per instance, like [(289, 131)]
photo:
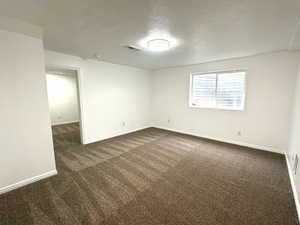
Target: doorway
[(65, 108)]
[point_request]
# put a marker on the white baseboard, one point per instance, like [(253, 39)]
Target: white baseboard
[(62, 123), (116, 135), (27, 181), (259, 147), (296, 198)]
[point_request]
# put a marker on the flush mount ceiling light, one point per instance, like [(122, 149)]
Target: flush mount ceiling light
[(158, 45), (158, 41)]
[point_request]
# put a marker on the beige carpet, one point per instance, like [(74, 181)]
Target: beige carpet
[(154, 177)]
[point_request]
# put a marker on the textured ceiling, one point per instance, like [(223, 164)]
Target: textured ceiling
[(205, 30)]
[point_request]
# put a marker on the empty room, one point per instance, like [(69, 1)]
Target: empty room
[(149, 112)]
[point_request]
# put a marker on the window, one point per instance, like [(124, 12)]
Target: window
[(224, 90)]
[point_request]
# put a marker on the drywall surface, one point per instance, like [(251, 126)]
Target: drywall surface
[(264, 123), (114, 99), (25, 131), (21, 27), (294, 147), (63, 99)]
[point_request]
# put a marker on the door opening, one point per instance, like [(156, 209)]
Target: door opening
[(65, 108)]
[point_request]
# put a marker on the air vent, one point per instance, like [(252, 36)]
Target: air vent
[(132, 48)]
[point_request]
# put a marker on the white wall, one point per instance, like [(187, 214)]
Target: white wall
[(294, 147), (26, 143), (110, 94), (263, 124), (63, 99)]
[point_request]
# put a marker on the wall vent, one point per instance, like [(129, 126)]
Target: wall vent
[(132, 48)]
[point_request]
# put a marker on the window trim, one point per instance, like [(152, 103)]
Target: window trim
[(218, 72)]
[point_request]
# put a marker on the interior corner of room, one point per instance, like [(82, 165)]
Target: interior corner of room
[(143, 119)]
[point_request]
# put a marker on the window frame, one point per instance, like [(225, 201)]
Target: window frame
[(191, 105)]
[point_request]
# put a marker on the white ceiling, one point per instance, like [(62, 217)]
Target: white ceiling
[(206, 30)]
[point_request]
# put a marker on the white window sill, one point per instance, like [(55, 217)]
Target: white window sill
[(216, 108)]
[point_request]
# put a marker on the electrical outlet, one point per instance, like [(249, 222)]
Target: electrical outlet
[(169, 120), (123, 124), (239, 133)]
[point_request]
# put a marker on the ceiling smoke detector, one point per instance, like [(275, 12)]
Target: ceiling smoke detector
[(158, 45), (98, 56)]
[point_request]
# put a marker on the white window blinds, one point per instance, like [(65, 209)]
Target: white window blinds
[(218, 90), (204, 90)]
